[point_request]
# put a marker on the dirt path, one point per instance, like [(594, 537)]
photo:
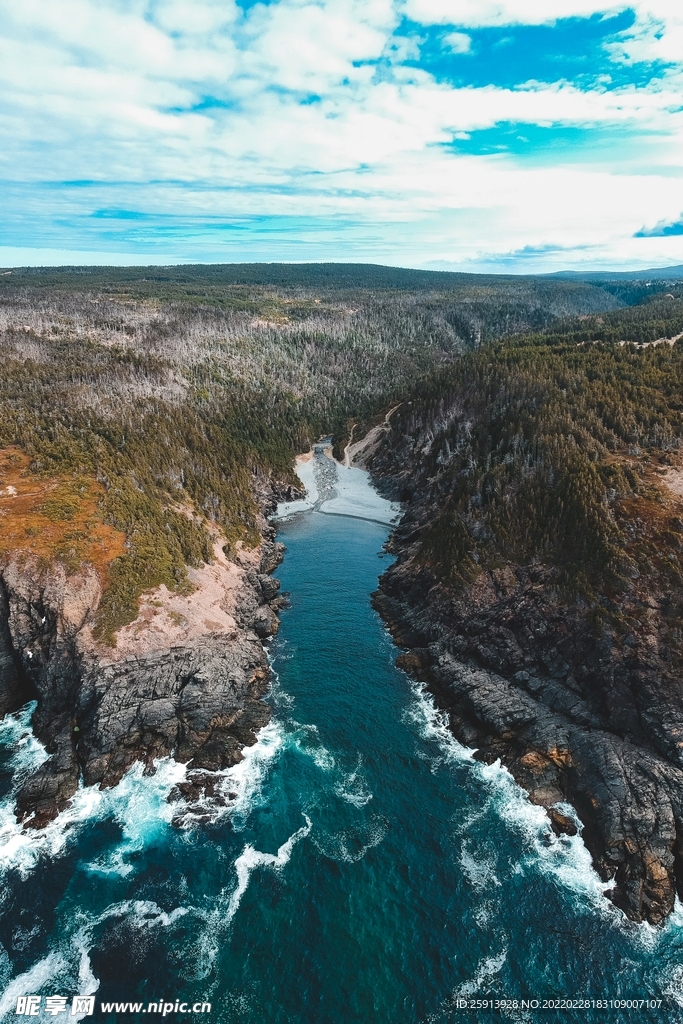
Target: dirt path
[(347, 458), (358, 452), (673, 479), (658, 341)]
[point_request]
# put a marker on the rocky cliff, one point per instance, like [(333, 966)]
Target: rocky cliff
[(580, 698), (185, 679)]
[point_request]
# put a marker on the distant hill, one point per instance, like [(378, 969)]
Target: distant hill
[(653, 274), (307, 275)]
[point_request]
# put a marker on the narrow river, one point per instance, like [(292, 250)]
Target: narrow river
[(369, 869)]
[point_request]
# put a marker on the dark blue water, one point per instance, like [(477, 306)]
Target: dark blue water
[(369, 870)]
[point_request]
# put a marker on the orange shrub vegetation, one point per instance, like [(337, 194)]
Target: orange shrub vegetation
[(55, 518)]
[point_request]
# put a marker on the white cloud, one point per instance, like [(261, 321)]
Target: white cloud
[(301, 108), (657, 34), (309, 48), (201, 17), (459, 42), (480, 13)]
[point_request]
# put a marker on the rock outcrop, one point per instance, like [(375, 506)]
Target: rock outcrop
[(575, 710), (185, 679)]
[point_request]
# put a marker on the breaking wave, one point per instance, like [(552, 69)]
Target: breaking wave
[(250, 859)]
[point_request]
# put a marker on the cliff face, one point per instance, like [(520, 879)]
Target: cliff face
[(581, 700), (185, 679)]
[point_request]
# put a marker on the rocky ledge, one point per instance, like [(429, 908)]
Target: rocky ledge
[(185, 679)]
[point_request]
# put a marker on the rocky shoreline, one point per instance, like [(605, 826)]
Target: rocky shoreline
[(576, 713), (186, 679)]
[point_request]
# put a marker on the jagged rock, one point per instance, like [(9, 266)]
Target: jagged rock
[(271, 555), (265, 623), (410, 661), (269, 587), (199, 701), (561, 824), (14, 688)]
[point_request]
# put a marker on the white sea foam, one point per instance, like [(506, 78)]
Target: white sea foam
[(486, 970), (21, 849), (16, 734), (655, 940), (566, 858), (431, 725), (250, 859), (50, 970), (205, 950), (246, 778), (5, 968), (284, 652), (466, 824), (144, 914), (240, 787), (306, 739), (484, 912), (479, 870), (23, 937), (87, 982), (322, 757), (353, 788), (350, 845), (651, 937), (68, 970), (138, 803), (673, 986)]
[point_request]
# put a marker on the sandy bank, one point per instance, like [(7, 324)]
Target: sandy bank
[(334, 488)]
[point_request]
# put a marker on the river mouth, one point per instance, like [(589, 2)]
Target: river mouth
[(336, 489), (368, 868)]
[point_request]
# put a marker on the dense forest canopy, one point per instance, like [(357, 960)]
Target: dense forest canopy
[(552, 447), (178, 391)]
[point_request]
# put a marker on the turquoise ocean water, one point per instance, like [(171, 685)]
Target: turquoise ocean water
[(368, 870)]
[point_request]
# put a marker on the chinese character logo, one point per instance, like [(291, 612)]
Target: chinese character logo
[(55, 1005), (29, 1006), (83, 1005)]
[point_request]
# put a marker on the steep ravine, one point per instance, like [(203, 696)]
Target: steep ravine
[(185, 679)]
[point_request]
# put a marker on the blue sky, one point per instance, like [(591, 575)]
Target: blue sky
[(527, 135)]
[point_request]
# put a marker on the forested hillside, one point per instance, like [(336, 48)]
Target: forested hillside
[(535, 447), (156, 392)]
